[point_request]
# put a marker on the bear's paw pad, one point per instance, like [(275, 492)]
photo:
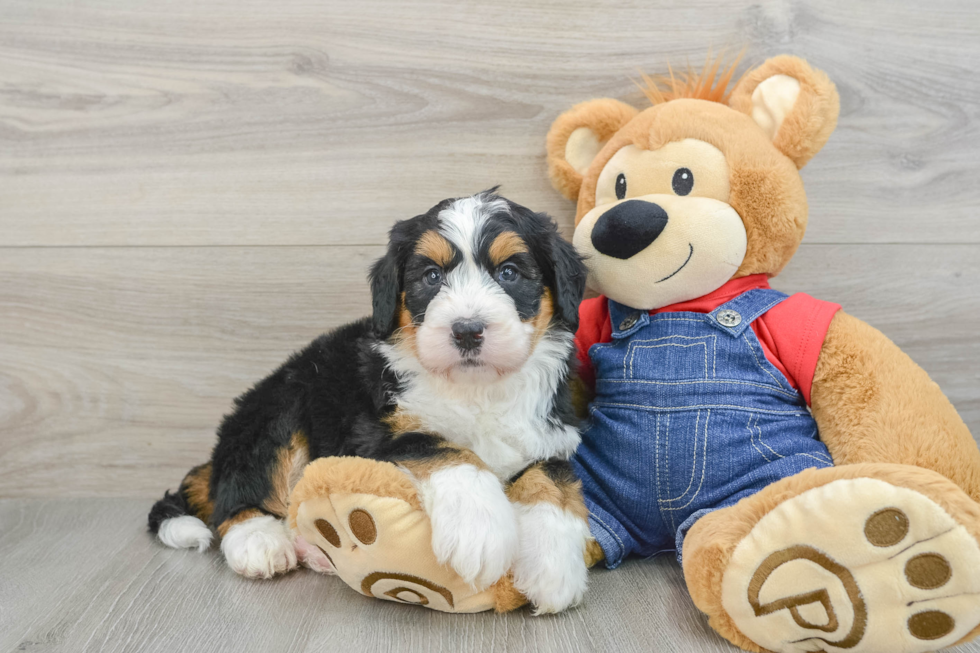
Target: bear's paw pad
[(381, 547), (858, 565)]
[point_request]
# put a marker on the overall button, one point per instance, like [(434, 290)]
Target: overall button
[(729, 318), (629, 321)]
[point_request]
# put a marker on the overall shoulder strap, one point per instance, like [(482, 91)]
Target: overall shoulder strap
[(737, 315)]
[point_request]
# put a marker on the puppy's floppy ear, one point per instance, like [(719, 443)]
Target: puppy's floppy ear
[(576, 137), (385, 280), (796, 105), (570, 275)]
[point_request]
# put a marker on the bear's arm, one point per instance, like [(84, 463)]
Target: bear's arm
[(872, 403), (594, 327)]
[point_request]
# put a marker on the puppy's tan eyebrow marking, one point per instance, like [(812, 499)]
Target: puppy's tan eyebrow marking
[(504, 246), (435, 247)]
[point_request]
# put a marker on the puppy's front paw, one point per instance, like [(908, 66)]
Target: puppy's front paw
[(550, 569), (474, 528), (259, 547)]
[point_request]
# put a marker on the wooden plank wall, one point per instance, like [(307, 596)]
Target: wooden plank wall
[(191, 190)]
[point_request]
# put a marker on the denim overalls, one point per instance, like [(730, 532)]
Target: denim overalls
[(689, 417)]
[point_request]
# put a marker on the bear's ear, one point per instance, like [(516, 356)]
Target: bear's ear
[(796, 105), (576, 137)]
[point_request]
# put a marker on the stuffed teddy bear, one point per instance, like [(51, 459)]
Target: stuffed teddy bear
[(820, 491)]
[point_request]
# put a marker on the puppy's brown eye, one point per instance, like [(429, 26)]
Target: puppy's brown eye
[(683, 181), (508, 273), (432, 276), (620, 186)]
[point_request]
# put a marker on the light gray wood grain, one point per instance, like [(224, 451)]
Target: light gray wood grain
[(84, 575), (118, 363), (226, 122), (191, 190)]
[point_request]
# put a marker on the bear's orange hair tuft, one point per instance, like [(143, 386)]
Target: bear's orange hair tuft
[(711, 83)]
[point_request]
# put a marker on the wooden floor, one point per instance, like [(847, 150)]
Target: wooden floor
[(192, 189), (82, 576)]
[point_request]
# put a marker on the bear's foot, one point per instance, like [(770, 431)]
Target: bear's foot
[(872, 563), (366, 521)]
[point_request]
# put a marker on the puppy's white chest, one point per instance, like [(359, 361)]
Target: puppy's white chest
[(506, 435), (505, 421)]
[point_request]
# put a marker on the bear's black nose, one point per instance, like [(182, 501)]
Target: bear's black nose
[(628, 228)]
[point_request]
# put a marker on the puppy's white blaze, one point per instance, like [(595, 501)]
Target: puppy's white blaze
[(550, 568), (185, 532), (505, 419), (474, 528), (259, 547), (469, 293), (462, 221)]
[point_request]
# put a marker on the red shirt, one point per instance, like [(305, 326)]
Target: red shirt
[(791, 333)]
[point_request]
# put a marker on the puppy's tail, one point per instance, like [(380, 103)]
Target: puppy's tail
[(179, 520)]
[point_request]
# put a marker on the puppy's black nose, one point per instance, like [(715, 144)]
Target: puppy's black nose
[(468, 334), (628, 228)]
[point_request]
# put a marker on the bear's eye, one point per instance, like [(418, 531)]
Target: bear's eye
[(620, 186), (683, 181)]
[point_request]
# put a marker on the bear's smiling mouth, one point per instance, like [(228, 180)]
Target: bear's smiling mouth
[(688, 260)]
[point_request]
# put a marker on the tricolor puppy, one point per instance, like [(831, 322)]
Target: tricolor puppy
[(461, 377)]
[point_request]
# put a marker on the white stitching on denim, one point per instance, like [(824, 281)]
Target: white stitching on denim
[(826, 456), (763, 442), (622, 547), (694, 463), (748, 317), (669, 338), (657, 467), (751, 429), (714, 356), (678, 319), (819, 457), (704, 467), (667, 448), (656, 454), (667, 463), (634, 345), (792, 395), (613, 404), (752, 314), (749, 345), (669, 344)]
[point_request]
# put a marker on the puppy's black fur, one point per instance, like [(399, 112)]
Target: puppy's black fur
[(337, 391)]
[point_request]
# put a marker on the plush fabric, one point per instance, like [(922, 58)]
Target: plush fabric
[(875, 538), (713, 539), (366, 517), (602, 117), (874, 404), (791, 334), (811, 121), (904, 462)]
